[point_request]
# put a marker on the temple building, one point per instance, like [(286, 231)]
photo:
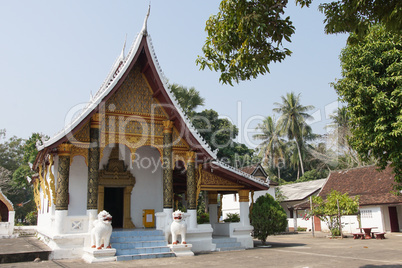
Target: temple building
[(7, 215), (133, 152)]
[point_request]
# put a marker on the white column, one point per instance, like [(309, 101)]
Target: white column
[(192, 220), (244, 207), (11, 218), (59, 219), (213, 213), (92, 216), (244, 213)]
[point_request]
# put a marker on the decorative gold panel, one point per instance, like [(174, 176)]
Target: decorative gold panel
[(135, 97), (81, 150), (210, 181), (37, 194), (82, 135), (133, 142), (52, 181)]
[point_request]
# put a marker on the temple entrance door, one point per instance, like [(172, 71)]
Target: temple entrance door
[(114, 204)]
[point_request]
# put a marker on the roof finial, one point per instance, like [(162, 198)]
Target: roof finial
[(124, 48), (144, 27)]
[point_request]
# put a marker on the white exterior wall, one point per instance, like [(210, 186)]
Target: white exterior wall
[(375, 217), (230, 202), (148, 190), (78, 187)]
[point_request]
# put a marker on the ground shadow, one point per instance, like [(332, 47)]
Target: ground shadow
[(381, 266), (257, 244)]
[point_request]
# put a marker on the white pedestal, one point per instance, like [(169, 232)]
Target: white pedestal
[(92, 255), (181, 250)]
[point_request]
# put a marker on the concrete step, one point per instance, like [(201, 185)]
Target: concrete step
[(227, 244), (140, 244), (23, 249), (144, 256)]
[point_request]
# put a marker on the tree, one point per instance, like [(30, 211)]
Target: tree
[(292, 121), (245, 36), (11, 153), (238, 155), (313, 174), (217, 132), (354, 16), (267, 218), (272, 147), (371, 87), (15, 155), (189, 98), (333, 208)]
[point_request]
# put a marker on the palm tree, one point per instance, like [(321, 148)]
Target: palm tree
[(292, 121), (188, 98), (272, 145)]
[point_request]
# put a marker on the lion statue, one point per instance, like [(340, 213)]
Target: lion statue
[(178, 227), (102, 231)]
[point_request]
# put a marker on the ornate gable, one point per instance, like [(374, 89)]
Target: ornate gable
[(134, 97)]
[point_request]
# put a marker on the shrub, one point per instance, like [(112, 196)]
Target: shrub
[(202, 218), (267, 217), (232, 217)]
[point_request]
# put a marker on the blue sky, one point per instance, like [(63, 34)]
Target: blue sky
[(53, 54)]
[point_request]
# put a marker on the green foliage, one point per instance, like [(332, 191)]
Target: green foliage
[(272, 146), (279, 196), (11, 153), (267, 217), (218, 132), (189, 98), (313, 174), (292, 121), (372, 89), (328, 211), (238, 155), (31, 217), (202, 218), (232, 217), (354, 16), (244, 38), (301, 229), (14, 170)]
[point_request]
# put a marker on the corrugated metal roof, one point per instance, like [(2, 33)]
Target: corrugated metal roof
[(301, 190)]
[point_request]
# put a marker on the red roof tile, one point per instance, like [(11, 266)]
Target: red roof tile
[(373, 186)]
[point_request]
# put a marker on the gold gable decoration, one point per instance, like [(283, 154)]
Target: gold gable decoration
[(135, 97), (82, 135), (212, 182)]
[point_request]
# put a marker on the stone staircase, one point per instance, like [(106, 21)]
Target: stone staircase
[(140, 244), (225, 243)]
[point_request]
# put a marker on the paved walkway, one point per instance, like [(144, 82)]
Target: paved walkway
[(301, 250)]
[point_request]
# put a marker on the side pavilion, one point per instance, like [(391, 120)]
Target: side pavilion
[(132, 150)]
